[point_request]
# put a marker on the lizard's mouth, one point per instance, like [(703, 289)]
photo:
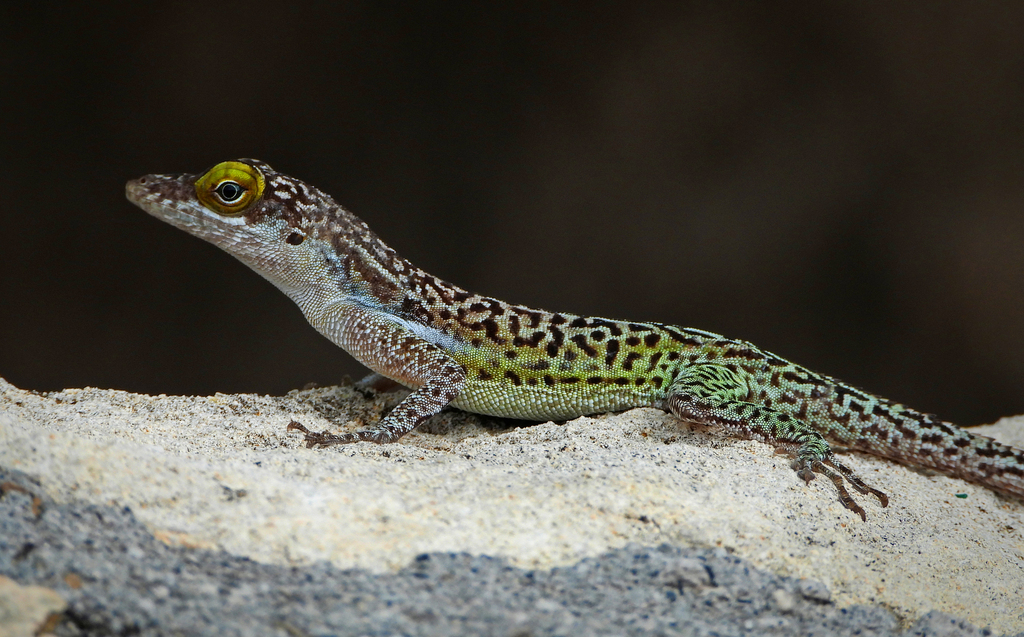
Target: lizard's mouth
[(160, 196), (172, 198)]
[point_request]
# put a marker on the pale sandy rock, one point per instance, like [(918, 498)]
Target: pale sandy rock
[(222, 472), (24, 610)]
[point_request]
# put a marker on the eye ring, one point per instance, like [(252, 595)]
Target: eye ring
[(230, 188)]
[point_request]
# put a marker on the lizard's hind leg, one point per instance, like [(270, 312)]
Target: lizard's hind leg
[(715, 395)]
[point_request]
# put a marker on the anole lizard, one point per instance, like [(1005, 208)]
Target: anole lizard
[(483, 355)]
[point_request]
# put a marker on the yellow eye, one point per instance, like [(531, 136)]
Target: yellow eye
[(230, 187)]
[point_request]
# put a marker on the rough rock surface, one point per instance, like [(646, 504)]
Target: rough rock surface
[(218, 479)]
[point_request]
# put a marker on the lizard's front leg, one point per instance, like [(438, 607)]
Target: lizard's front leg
[(394, 351)]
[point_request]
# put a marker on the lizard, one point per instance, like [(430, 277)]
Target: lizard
[(479, 354)]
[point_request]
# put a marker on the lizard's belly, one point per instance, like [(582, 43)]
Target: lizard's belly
[(544, 402)]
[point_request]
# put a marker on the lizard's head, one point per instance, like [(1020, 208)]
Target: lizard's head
[(231, 200), (260, 216), (288, 231)]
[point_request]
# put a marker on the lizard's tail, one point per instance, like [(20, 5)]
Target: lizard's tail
[(992, 464), (923, 440)]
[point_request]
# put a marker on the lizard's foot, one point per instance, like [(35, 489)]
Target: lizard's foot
[(322, 438), (380, 436), (838, 473)]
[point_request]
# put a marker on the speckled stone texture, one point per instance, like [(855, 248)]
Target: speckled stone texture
[(218, 479)]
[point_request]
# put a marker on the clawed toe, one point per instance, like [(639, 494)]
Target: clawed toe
[(839, 474), (312, 438)]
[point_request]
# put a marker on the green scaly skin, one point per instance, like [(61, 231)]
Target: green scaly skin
[(490, 357)]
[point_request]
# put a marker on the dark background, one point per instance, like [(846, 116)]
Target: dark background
[(838, 182)]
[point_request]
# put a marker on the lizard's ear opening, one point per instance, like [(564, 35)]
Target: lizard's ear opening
[(230, 187)]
